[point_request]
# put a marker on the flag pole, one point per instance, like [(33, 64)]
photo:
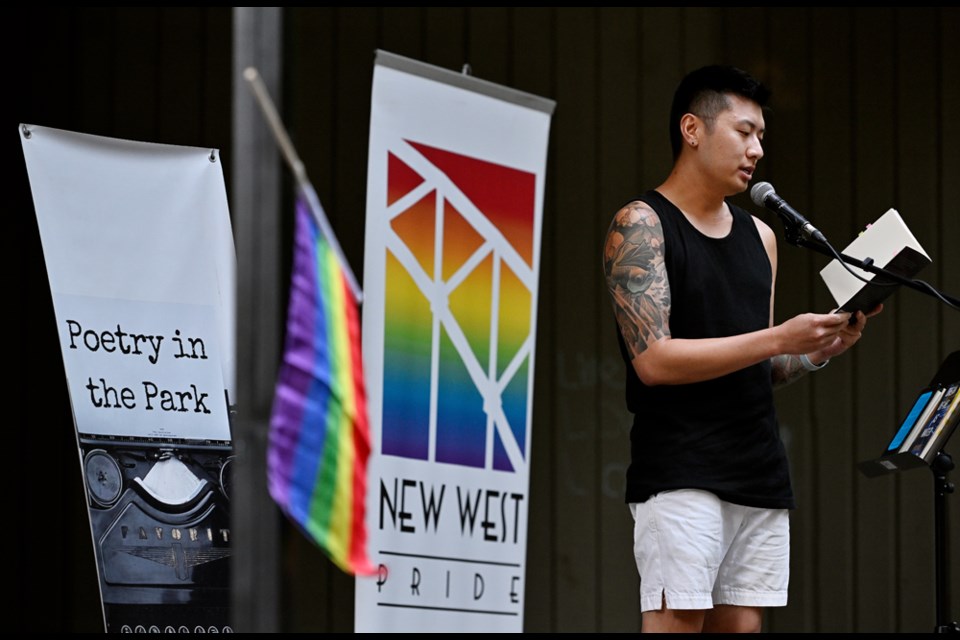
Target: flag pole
[(259, 90)]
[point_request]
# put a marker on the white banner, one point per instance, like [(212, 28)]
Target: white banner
[(454, 204), (140, 260), (134, 221)]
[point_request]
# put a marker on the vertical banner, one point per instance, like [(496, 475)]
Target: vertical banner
[(454, 205), (139, 254)]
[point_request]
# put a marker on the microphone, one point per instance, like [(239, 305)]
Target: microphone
[(763, 195)]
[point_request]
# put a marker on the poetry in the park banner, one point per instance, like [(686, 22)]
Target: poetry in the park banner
[(139, 255)]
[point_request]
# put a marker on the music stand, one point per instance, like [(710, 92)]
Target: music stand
[(941, 463)]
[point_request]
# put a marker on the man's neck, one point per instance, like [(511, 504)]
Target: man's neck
[(692, 195), (702, 205)]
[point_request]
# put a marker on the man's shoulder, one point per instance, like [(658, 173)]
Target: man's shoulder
[(766, 233), (636, 212)]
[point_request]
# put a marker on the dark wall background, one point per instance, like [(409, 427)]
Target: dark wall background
[(864, 119)]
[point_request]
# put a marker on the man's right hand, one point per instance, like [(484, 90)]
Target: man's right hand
[(810, 332)]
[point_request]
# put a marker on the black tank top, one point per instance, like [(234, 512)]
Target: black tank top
[(719, 435)]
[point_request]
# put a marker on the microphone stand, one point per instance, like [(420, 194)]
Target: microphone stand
[(942, 463), (795, 237)]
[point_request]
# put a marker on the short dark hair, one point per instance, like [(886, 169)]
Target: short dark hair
[(701, 92)]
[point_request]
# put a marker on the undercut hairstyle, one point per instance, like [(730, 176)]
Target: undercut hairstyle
[(702, 93)]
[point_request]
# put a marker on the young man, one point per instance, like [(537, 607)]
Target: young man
[(691, 277)]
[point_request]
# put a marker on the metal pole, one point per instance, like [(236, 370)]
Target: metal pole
[(255, 202)]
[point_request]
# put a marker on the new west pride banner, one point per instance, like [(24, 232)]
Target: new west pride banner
[(454, 207)]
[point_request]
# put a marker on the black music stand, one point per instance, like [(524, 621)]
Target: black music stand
[(800, 233), (940, 464)]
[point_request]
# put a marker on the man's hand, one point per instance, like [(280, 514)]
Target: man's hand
[(811, 332), (833, 332), (848, 336)]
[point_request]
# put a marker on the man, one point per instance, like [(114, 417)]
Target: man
[(691, 278)]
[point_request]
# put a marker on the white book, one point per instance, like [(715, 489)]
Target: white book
[(891, 246)]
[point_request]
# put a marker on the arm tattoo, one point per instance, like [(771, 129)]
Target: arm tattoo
[(637, 276), (785, 369)]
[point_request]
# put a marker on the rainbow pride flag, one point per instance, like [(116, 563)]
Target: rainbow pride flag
[(319, 430)]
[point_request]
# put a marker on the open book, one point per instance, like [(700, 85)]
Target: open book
[(892, 247)]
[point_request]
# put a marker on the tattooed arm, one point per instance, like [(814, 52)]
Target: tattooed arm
[(637, 282), (784, 369), (637, 276)]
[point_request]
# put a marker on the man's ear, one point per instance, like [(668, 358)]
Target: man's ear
[(691, 128)]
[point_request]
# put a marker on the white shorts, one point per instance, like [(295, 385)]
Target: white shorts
[(696, 551)]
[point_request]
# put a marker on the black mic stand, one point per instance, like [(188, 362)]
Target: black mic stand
[(795, 237)]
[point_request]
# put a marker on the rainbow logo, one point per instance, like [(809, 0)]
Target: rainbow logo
[(460, 290)]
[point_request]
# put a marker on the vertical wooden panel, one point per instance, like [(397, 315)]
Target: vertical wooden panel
[(488, 43), (948, 209), (832, 406), (660, 60), (576, 345), (745, 47), (311, 92), (401, 31), (702, 36), (916, 154), (875, 409), (949, 237), (745, 40), (308, 580), (617, 171), (532, 64), (786, 165), (443, 34)]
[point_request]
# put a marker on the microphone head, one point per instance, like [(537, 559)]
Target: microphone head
[(759, 193)]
